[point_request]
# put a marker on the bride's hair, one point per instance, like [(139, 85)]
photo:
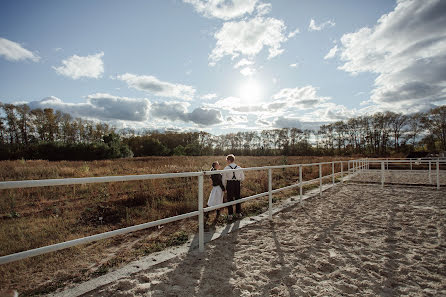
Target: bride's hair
[(214, 164)]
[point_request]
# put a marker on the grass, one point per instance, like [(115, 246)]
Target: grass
[(36, 217)]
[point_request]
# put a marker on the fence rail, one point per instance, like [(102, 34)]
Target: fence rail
[(353, 167)]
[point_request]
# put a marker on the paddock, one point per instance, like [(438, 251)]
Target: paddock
[(357, 239)]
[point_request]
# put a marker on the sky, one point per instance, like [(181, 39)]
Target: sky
[(223, 66)]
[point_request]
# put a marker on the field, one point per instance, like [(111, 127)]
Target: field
[(37, 217), (355, 240)]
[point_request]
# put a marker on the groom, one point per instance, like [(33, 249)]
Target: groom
[(231, 181)]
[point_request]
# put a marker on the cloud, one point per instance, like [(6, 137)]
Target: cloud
[(227, 9), (294, 65), (293, 33), (156, 87), (287, 122), (331, 53), (100, 106), (406, 48), (243, 62), (77, 67), (249, 37), (177, 111), (12, 51), (247, 71), (209, 96), (237, 119), (287, 101), (313, 27), (172, 111), (301, 98), (263, 8), (205, 116)]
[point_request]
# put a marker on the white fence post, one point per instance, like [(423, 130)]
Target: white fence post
[(200, 214), (270, 195), (342, 173), (430, 171), (300, 183), (438, 175), (387, 164), (320, 180), (332, 172), (410, 164), (382, 174)]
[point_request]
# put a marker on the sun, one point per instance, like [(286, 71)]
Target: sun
[(250, 91)]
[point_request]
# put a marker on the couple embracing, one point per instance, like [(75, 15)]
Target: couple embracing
[(229, 181)]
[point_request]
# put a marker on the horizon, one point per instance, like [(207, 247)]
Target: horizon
[(224, 66)]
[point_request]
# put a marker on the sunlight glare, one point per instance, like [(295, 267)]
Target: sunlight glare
[(250, 91)]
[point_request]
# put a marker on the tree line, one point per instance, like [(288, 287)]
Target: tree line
[(54, 135), (380, 134)]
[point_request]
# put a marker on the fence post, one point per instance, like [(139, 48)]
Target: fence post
[(382, 174), (200, 214), (430, 174), (438, 175), (300, 183), (270, 195), (332, 172), (342, 173), (348, 167), (387, 164), (410, 164), (320, 180)]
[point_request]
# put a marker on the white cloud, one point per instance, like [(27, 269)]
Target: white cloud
[(286, 101), (300, 98), (331, 53), (209, 96), (12, 51), (263, 8), (100, 106), (247, 71), (293, 33), (226, 9), (294, 65), (313, 27), (406, 48), (156, 87), (76, 67), (249, 37), (243, 62)]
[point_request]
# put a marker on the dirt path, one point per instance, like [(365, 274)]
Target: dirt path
[(355, 240)]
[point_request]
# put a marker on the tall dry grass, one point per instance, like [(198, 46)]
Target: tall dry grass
[(36, 217)]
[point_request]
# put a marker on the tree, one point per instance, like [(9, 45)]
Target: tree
[(435, 122)]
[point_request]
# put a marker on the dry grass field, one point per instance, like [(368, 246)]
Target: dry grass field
[(36, 217)]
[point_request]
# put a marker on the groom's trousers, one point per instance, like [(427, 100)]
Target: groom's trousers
[(233, 193)]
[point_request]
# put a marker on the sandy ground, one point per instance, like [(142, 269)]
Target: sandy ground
[(402, 176), (357, 240)]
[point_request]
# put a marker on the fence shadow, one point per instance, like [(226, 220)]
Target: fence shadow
[(196, 274)]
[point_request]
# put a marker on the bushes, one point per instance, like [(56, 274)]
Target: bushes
[(54, 151)]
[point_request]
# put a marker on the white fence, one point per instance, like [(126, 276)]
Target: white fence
[(432, 165), (353, 167)]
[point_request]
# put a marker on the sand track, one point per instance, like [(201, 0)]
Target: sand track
[(357, 240)]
